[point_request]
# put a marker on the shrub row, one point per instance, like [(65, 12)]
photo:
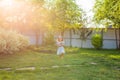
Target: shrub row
[(11, 41)]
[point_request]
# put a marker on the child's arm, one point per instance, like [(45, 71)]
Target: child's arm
[(62, 43)]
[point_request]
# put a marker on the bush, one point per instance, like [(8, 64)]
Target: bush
[(11, 41), (49, 39), (97, 41)]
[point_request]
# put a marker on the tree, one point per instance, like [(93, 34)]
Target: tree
[(66, 15), (38, 18), (24, 15), (14, 14), (108, 11)]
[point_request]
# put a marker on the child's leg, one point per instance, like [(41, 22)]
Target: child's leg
[(62, 55)]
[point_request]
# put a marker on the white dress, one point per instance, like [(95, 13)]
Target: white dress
[(60, 49)]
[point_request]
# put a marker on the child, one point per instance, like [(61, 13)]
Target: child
[(60, 44)]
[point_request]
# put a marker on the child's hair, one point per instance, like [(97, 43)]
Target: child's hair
[(60, 39)]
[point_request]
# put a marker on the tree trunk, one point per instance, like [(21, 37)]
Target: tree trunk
[(102, 33), (81, 43), (116, 38), (82, 36), (62, 33), (70, 38), (119, 38), (37, 39), (102, 37), (42, 36)]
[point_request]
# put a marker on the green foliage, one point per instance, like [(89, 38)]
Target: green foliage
[(49, 39), (66, 15), (11, 41), (40, 2), (97, 41), (108, 10)]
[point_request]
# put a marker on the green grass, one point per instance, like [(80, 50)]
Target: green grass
[(107, 65)]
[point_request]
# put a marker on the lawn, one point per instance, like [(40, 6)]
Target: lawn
[(77, 64)]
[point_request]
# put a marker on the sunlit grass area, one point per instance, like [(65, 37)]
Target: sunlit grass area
[(77, 64)]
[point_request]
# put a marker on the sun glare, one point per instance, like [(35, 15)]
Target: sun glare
[(6, 3)]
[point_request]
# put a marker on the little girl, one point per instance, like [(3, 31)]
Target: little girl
[(60, 44)]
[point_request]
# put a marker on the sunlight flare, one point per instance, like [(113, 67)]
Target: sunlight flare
[(7, 3)]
